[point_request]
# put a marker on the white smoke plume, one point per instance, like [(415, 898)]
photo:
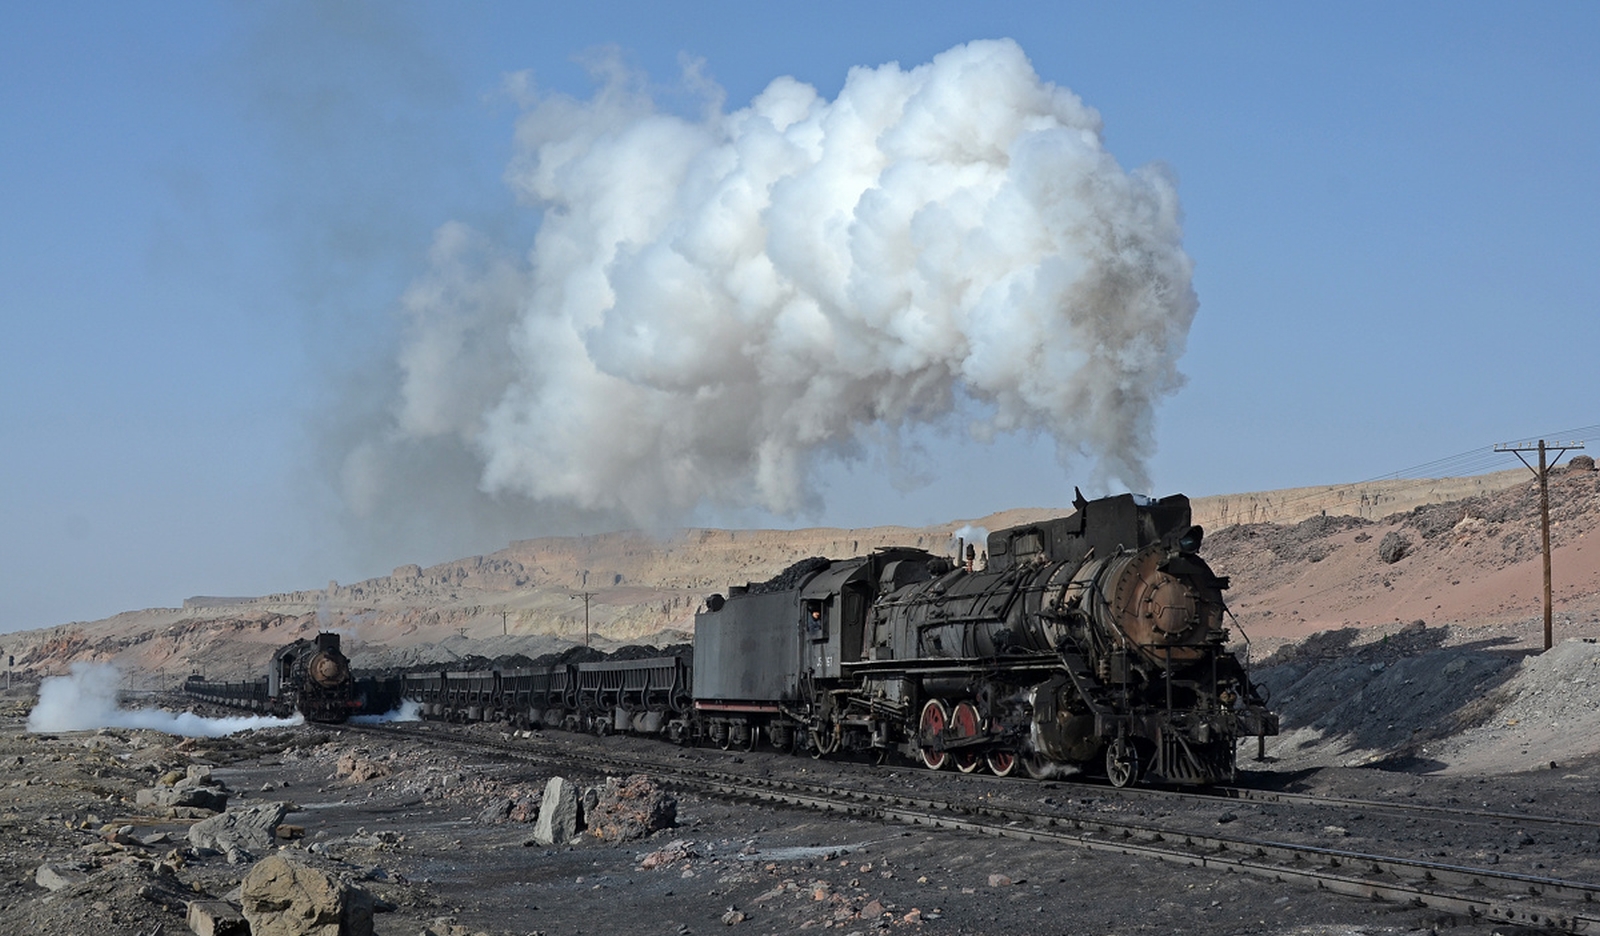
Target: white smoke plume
[(407, 711), (86, 699), (712, 305)]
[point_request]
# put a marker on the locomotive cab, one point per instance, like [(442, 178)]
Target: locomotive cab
[(835, 616)]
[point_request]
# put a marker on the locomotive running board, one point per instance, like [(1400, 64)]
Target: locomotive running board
[(952, 665)]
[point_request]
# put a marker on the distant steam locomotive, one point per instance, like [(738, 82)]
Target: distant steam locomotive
[(1095, 642), (311, 677)]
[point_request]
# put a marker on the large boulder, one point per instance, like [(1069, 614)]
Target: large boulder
[(558, 813), (236, 832), (630, 809), (284, 898), (1393, 547)]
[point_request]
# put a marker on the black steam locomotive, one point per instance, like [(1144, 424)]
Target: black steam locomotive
[(1094, 639), (1092, 642), (311, 677)]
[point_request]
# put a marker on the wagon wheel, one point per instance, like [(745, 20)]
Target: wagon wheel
[(1122, 763), (752, 739), (725, 738), (1002, 763), (932, 724), (964, 722)]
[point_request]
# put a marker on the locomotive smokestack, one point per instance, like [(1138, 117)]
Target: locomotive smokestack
[(713, 306)]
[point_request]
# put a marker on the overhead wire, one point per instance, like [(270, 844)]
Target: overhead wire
[(1482, 460)]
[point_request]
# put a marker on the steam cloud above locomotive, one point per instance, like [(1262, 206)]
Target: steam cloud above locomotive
[(713, 305)]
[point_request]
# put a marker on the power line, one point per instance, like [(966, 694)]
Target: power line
[(1482, 460)]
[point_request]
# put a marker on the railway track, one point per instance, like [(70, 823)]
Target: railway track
[(1482, 816), (1474, 893)]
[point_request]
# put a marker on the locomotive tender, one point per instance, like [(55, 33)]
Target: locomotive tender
[(1094, 638), (1091, 642), (311, 677)]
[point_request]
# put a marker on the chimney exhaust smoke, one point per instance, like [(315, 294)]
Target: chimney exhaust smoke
[(714, 304)]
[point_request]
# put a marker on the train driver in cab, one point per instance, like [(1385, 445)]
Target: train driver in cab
[(814, 619)]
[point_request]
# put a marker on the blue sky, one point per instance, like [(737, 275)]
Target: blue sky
[(210, 211)]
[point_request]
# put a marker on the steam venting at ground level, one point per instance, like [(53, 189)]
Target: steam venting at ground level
[(87, 699)]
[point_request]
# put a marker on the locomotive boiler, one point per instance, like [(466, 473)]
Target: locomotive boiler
[(1096, 641), (313, 678)]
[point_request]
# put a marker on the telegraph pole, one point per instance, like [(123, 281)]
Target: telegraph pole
[(1543, 474), (504, 629), (585, 596)]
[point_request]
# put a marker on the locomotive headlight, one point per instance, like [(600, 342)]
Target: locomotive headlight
[(1190, 541)]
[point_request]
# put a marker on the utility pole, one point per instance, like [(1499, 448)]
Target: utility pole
[(1543, 474), (585, 596), (504, 629)]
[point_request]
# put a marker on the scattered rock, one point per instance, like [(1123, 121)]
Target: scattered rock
[(357, 767), (216, 918), (56, 877), (558, 813), (1393, 547), (193, 790), (670, 854), (237, 831), (630, 809), (283, 898)]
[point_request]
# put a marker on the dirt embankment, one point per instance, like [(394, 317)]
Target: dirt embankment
[(1474, 562)]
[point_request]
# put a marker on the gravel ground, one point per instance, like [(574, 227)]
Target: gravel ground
[(407, 821), (442, 835), (1433, 699)]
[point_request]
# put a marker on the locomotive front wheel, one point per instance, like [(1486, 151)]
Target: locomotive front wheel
[(1002, 763), (935, 717), (964, 723), (1122, 763)]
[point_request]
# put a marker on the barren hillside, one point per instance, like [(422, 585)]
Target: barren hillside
[(1471, 559)]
